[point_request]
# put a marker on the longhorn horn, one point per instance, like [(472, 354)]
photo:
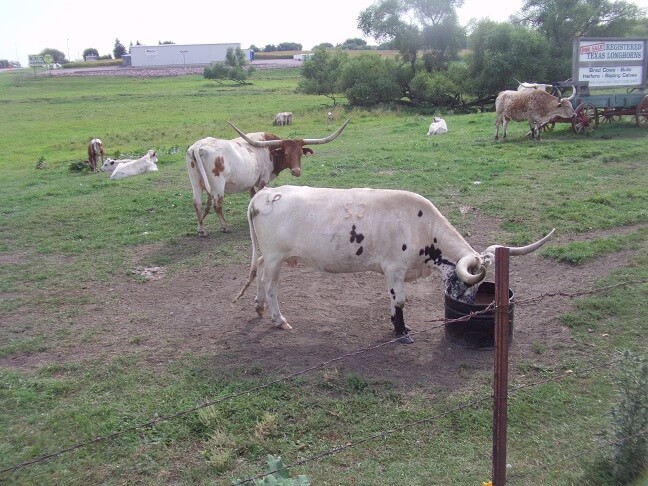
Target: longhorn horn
[(465, 264), (523, 250), (472, 262), (333, 136), (256, 143), (573, 95), (275, 143)]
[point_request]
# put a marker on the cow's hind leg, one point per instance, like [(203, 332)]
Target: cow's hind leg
[(270, 280), (218, 207), (260, 299), (396, 287), (200, 213)]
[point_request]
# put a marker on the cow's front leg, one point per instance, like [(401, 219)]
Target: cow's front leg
[(269, 280), (397, 295)]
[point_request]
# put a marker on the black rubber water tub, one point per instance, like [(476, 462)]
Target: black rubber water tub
[(479, 331)]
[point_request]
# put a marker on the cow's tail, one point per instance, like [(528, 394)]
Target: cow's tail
[(195, 155), (254, 264)]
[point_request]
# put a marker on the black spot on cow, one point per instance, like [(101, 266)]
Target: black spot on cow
[(433, 253), (359, 252), (356, 237), (421, 252), (404, 247), (420, 213)]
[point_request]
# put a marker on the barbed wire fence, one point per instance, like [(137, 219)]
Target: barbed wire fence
[(350, 443)]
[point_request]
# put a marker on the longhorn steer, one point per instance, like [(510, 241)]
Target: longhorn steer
[(536, 106), (229, 166), (95, 153), (397, 233), (438, 126), (283, 118)]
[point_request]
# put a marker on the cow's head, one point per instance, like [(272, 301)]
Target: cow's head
[(109, 165), (462, 281), (287, 153)]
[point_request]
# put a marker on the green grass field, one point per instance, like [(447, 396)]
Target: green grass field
[(63, 230)]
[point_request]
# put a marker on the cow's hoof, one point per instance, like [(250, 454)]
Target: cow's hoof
[(202, 234), (284, 325), (225, 229), (405, 339)]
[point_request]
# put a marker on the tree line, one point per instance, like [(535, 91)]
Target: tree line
[(442, 64)]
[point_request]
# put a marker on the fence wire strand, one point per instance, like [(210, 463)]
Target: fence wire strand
[(158, 419)]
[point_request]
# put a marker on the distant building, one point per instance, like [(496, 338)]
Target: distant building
[(173, 55)]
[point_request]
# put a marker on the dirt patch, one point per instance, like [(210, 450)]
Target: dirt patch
[(190, 312)]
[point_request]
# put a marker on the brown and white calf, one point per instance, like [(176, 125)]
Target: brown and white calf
[(95, 153), (397, 233), (535, 106), (218, 166)]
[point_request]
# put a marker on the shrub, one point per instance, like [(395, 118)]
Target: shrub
[(370, 79), (630, 421)]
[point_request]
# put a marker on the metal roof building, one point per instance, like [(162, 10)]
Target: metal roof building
[(168, 55)]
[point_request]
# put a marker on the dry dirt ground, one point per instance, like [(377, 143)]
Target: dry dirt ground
[(190, 312)]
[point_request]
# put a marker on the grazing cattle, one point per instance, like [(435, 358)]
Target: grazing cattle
[(283, 118), (536, 106), (397, 233), (438, 127), (542, 87), (146, 163), (229, 166), (95, 153), (330, 116)]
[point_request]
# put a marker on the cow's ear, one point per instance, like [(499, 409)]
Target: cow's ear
[(307, 151), (277, 152)]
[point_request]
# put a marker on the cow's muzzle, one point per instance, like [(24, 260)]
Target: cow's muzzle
[(296, 172)]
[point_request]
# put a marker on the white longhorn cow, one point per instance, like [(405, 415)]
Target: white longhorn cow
[(283, 118), (397, 233), (130, 168), (438, 126), (228, 166)]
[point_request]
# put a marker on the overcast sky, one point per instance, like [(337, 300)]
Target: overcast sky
[(71, 26)]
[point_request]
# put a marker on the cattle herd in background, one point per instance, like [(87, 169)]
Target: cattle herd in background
[(397, 233)]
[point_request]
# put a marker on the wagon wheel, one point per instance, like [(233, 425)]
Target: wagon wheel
[(642, 112), (586, 118), (610, 117)]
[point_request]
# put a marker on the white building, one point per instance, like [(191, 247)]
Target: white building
[(167, 55)]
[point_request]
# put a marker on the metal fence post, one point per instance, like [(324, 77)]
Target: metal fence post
[(500, 381)]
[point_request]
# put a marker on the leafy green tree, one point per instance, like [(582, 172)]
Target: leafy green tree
[(370, 79), (57, 56), (501, 53), (235, 68), (90, 51), (321, 72), (354, 44), (440, 88), (414, 25), (324, 45), (289, 46), (562, 21), (119, 50)]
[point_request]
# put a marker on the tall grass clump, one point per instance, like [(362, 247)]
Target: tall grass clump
[(629, 428)]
